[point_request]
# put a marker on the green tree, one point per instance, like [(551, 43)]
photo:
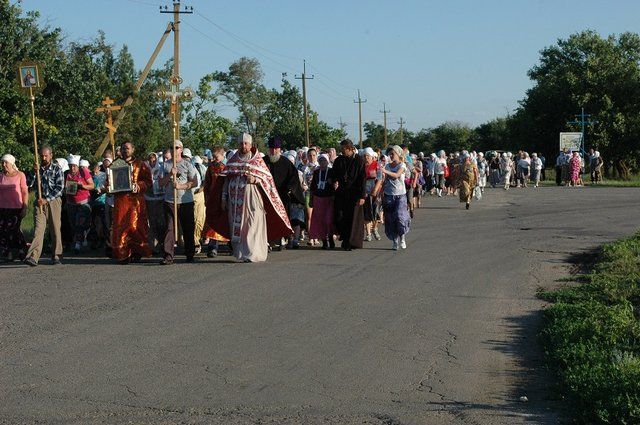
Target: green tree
[(242, 85), (600, 74)]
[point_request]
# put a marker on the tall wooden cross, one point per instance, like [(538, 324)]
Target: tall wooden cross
[(174, 94), (108, 109)]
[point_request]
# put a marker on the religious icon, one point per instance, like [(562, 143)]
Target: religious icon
[(71, 187), (29, 76), (119, 175)]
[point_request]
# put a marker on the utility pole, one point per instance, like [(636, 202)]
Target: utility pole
[(402, 122), (385, 112), (342, 124), (304, 78), (583, 120), (176, 48), (360, 102)]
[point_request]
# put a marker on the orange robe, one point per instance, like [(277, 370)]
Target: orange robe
[(212, 189), (130, 226)]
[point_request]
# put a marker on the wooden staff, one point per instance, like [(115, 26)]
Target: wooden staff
[(175, 179), (32, 98)]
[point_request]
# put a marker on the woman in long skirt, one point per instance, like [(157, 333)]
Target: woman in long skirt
[(467, 180), (322, 192), (13, 208), (394, 204)]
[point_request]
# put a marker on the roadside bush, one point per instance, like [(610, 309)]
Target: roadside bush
[(591, 337)]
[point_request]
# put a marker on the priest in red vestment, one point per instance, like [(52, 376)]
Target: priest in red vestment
[(252, 212), (130, 227)]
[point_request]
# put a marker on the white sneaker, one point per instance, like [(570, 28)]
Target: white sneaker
[(376, 234), (368, 237), (394, 246), (403, 243)]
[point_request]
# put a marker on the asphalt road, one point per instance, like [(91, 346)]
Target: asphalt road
[(442, 333)]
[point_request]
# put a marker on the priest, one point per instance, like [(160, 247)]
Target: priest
[(130, 227), (254, 212), (285, 176), (349, 183)]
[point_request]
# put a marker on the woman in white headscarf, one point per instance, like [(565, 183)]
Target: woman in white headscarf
[(14, 199), (506, 166), (371, 210), (396, 213), (78, 187)]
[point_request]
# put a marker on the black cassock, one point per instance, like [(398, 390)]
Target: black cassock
[(285, 176), (348, 171)]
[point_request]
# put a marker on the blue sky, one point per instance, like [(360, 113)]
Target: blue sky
[(430, 61)]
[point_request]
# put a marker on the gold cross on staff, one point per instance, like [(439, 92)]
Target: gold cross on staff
[(108, 109)]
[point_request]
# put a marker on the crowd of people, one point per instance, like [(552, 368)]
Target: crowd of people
[(246, 202)]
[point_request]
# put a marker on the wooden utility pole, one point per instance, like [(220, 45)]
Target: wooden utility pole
[(136, 89), (342, 124), (108, 109), (402, 122), (176, 50), (304, 78), (385, 112), (360, 102)]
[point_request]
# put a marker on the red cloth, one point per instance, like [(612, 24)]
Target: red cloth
[(130, 226), (212, 197), (371, 170), (83, 177), (278, 225)]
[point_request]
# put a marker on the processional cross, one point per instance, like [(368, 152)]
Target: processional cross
[(174, 94), (108, 109)]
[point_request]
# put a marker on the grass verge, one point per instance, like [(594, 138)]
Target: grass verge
[(591, 337)]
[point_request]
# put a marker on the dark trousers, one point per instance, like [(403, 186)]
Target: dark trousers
[(558, 175), (187, 222), (344, 207)]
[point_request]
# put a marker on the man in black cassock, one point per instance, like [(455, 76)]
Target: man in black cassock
[(285, 176), (349, 174)]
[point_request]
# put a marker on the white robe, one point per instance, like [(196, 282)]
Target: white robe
[(252, 244)]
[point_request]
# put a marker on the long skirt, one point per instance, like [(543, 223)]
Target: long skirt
[(466, 191), (11, 236), (371, 210), (396, 216), (79, 220), (322, 219)]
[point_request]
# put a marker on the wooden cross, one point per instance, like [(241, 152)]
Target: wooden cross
[(108, 109)]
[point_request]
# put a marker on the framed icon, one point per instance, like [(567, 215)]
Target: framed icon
[(119, 175), (71, 187), (29, 76)]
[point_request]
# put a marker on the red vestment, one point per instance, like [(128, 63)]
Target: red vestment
[(278, 225), (212, 190), (129, 220)]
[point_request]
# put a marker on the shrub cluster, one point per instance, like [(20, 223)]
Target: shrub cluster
[(591, 337)]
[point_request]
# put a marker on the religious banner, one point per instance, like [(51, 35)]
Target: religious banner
[(30, 82), (571, 141)]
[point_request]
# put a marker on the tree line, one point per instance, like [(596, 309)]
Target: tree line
[(601, 74)]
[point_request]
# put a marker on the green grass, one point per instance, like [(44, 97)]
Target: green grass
[(27, 222), (591, 337)]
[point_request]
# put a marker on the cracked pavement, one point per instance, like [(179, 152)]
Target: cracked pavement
[(443, 333)]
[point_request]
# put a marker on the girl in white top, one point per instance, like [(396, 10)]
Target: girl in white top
[(396, 213)]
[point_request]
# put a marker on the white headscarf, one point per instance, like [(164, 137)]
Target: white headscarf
[(10, 159)]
